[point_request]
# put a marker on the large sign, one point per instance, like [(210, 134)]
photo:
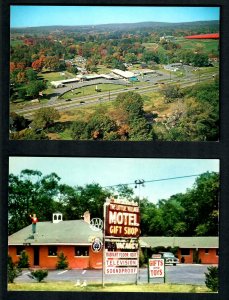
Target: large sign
[(121, 262), (156, 268), (122, 219)]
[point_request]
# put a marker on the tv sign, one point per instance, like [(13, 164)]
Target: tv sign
[(122, 220)]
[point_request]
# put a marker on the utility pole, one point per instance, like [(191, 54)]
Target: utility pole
[(138, 183)]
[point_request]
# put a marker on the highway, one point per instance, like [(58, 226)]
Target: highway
[(78, 102)]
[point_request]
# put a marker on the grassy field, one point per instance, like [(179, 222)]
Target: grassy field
[(90, 90), (206, 45), (71, 286), (55, 76)]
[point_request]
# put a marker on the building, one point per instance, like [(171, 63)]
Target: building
[(125, 74), (75, 239), (190, 249), (78, 78), (212, 36), (173, 67)]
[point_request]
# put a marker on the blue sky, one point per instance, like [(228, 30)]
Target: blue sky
[(29, 16), (112, 171)]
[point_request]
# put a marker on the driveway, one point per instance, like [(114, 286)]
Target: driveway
[(180, 274)]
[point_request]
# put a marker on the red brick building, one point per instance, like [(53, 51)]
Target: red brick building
[(203, 250), (74, 238)]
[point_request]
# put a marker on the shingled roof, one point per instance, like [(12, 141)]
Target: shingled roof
[(48, 233), (181, 242)]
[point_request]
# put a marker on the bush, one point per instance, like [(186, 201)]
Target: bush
[(23, 260), (13, 270), (212, 279), (62, 262), (38, 275)]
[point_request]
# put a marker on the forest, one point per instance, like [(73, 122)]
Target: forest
[(193, 213)]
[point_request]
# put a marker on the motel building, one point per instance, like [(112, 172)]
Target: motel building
[(75, 238)]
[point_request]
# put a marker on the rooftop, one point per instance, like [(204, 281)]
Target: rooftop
[(49, 233)]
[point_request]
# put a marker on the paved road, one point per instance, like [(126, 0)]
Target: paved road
[(103, 97), (181, 274)]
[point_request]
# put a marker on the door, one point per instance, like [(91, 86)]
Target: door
[(36, 255)]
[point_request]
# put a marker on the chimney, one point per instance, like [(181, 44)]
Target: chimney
[(87, 217), (57, 217)]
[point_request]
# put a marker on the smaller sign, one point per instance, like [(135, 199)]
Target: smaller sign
[(97, 245), (111, 254), (156, 268), (123, 270)]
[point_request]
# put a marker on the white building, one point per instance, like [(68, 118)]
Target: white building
[(123, 74)]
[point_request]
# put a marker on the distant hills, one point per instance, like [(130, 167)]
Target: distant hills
[(211, 26)]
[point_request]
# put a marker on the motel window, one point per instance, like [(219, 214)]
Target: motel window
[(185, 251), (206, 251), (52, 251), (20, 249), (82, 251)]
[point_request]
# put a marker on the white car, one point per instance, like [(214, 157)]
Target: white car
[(169, 258)]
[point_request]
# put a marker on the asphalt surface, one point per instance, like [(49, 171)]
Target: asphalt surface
[(180, 274)]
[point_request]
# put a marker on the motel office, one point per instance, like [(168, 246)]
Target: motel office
[(75, 238)]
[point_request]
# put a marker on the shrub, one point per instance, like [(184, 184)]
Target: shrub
[(38, 275), (23, 260), (13, 270), (62, 262), (212, 279)]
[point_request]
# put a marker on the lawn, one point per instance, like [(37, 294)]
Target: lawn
[(208, 45), (90, 90), (55, 76), (71, 286)]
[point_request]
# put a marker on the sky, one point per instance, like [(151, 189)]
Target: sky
[(112, 171), (32, 16)]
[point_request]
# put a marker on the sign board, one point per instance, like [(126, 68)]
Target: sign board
[(121, 262), (97, 245), (156, 268), (122, 220)]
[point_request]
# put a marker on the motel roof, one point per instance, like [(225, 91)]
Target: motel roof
[(62, 233), (125, 74), (181, 242)]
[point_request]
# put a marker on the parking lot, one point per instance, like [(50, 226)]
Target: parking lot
[(180, 274)]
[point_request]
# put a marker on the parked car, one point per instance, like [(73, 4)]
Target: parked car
[(67, 100), (169, 258)]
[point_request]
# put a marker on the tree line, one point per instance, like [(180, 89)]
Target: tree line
[(193, 213)]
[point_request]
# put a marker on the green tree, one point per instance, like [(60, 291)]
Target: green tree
[(23, 260), (212, 279), (13, 270), (171, 92), (78, 130), (38, 275), (62, 262), (30, 192), (35, 87), (45, 117)]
